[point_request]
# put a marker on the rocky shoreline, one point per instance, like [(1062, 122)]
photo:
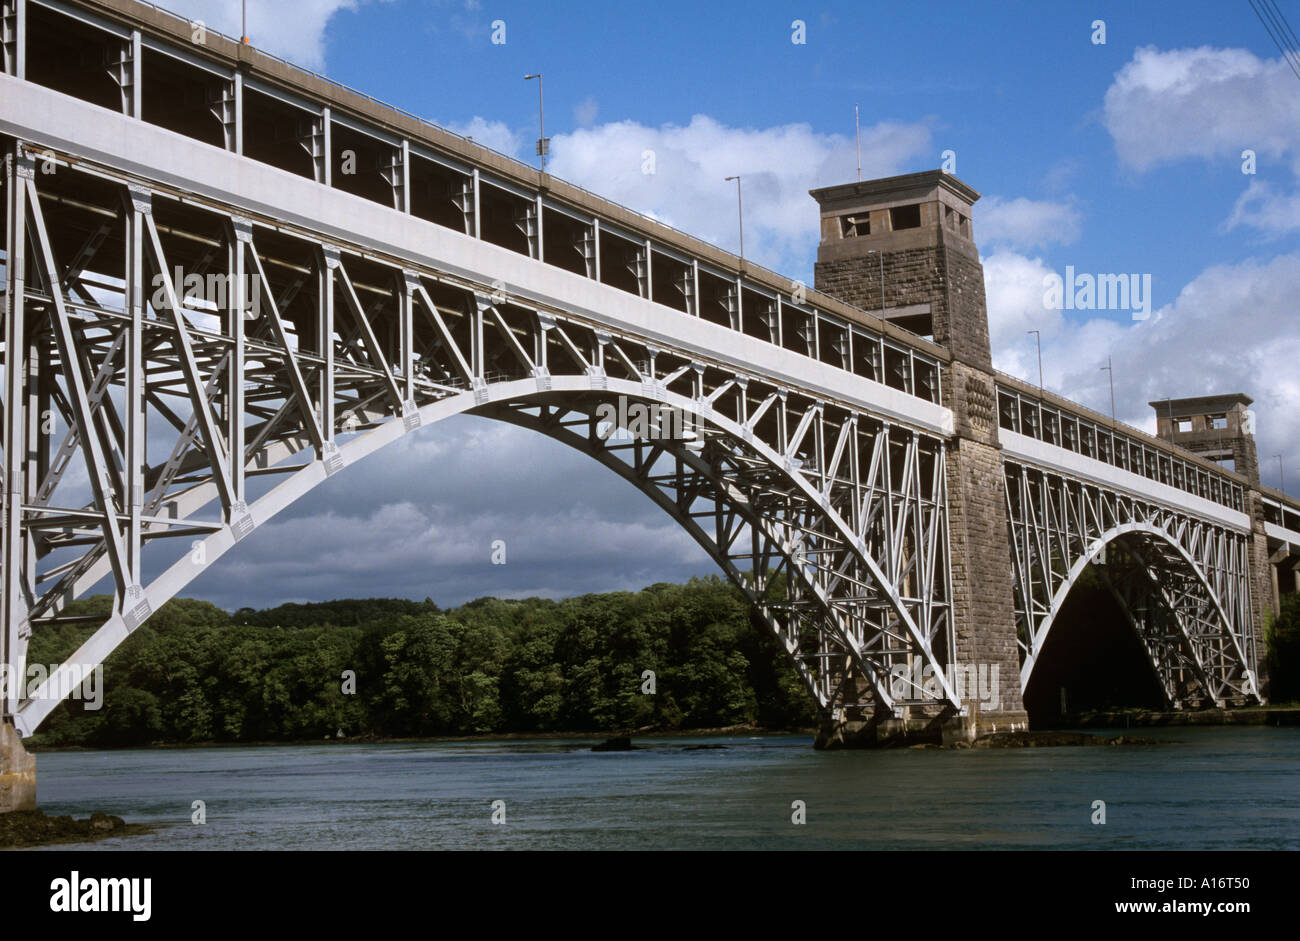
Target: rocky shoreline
[(29, 828), (1128, 719), (36, 746), (23, 828), (1045, 740)]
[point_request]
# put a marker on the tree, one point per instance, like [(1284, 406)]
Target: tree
[(192, 673), (1282, 637)]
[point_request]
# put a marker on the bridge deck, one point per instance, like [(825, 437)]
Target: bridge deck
[(281, 200), (370, 123)]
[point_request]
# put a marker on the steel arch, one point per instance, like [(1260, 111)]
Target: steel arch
[(1097, 549), (116, 629), (1196, 571), (852, 503)]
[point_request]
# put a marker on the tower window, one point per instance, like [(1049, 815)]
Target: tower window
[(1218, 422), (853, 226), (905, 217)]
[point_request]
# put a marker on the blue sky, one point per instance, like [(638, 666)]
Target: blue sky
[(1016, 89), (1115, 157)]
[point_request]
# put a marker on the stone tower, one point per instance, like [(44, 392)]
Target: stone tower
[(919, 225), (1218, 427), (912, 234), (1222, 428)]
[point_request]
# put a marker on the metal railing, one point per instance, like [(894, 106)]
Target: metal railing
[(1029, 415), (514, 160)]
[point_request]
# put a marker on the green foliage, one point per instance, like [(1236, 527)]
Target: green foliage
[(1283, 654), (194, 673)]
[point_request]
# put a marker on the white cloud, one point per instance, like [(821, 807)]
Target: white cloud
[(1206, 103), (1025, 223), (421, 519), (291, 29), (1233, 328), (495, 135), (1213, 105), (676, 174), (584, 113), (1014, 288), (1262, 207)]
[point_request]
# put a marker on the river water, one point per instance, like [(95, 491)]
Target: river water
[(1207, 789)]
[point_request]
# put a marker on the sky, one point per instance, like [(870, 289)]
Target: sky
[(1171, 150)]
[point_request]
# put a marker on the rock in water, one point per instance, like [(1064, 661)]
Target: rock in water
[(34, 828), (617, 743)]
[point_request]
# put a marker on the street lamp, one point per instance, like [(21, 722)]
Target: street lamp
[(543, 143), (857, 133), (1109, 369), (740, 214), (872, 251), (1039, 337), (1280, 474), (243, 32)]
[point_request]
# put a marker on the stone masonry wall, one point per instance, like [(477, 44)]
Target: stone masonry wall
[(1261, 584), (911, 277), (950, 281), (982, 581), (966, 329), (1245, 458)]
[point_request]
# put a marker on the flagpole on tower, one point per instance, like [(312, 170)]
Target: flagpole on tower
[(857, 133)]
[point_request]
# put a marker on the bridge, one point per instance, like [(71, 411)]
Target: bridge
[(228, 279)]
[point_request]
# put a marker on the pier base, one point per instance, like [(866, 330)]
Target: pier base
[(17, 772), (890, 732)]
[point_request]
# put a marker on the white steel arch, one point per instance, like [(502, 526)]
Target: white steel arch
[(350, 350), (511, 399), (1194, 573)]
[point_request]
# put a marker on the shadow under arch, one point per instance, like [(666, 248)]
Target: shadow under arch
[(1157, 556), (820, 632)]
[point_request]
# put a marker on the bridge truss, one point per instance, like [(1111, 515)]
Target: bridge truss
[(150, 424), (1182, 581)]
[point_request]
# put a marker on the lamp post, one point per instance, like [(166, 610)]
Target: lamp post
[(740, 214), (881, 255), (1039, 337), (543, 145), (243, 29), (1110, 371), (857, 133), (1281, 474)]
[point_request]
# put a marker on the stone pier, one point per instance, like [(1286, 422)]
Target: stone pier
[(17, 772), (903, 247)]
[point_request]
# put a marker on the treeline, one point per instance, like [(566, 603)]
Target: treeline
[(195, 673), (1282, 643)]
